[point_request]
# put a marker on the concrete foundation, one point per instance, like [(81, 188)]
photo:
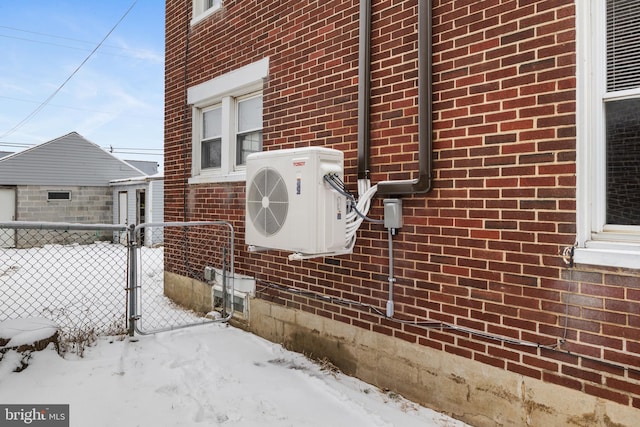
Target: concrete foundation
[(189, 293), (478, 394)]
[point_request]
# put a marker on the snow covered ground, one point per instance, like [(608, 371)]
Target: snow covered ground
[(207, 375)]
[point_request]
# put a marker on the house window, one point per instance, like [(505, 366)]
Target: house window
[(622, 113), (608, 144), (58, 195), (204, 8), (249, 129), (227, 123), (229, 132), (211, 154)]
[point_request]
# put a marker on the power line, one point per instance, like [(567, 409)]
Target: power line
[(134, 148), (129, 150), (15, 144), (70, 107), (46, 101), (133, 152), (111, 149), (132, 53), (43, 42), (53, 36)]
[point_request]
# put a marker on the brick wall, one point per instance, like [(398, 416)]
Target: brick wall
[(481, 252)]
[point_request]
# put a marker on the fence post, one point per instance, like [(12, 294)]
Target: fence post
[(225, 300), (133, 279)]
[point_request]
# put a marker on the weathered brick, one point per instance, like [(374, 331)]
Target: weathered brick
[(483, 247)]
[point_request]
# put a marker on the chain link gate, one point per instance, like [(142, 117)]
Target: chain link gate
[(180, 283)]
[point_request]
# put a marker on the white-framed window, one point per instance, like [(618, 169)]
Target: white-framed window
[(204, 8), (211, 139), (227, 123), (608, 133), (248, 127)]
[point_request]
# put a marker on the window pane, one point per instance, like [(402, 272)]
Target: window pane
[(212, 123), (208, 4), (248, 143), (623, 49), (250, 114), (623, 161), (59, 195), (211, 154)]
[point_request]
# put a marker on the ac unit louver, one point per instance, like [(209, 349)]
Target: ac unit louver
[(289, 206)]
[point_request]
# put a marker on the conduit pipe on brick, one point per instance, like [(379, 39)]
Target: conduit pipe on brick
[(364, 89), (424, 182)]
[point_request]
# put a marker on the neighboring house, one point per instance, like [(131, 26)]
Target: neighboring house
[(147, 167), (140, 200), (517, 268), (63, 180)]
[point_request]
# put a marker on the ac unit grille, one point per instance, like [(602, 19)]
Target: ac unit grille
[(267, 201)]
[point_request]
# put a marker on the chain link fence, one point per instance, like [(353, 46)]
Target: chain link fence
[(103, 279), (188, 271), (69, 273)]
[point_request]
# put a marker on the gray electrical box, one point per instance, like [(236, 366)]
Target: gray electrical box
[(209, 274), (392, 213)]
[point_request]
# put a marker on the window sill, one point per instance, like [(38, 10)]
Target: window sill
[(201, 17), (218, 178), (609, 254)]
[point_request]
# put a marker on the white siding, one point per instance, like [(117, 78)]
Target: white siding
[(154, 189)]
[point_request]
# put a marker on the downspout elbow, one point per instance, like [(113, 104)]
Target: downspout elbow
[(424, 182)]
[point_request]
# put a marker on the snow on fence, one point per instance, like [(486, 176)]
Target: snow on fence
[(81, 275)]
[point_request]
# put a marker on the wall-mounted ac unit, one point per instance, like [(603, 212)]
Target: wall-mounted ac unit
[(289, 206)]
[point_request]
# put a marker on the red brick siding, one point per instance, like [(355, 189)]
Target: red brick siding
[(481, 251)]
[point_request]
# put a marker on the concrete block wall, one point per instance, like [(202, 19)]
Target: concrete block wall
[(88, 205)]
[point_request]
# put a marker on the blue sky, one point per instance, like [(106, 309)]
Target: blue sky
[(115, 99)]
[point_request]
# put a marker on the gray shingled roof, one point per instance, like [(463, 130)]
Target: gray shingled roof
[(68, 160)]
